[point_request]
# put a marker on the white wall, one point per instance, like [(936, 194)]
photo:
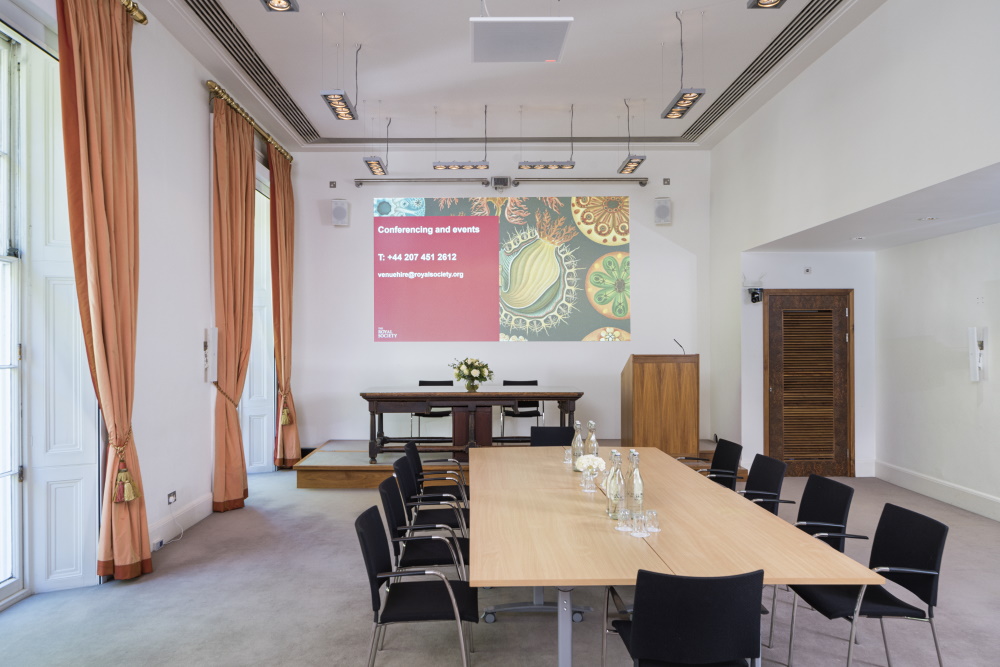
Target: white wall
[(335, 357), (939, 432), (829, 271), (857, 128), (172, 415)]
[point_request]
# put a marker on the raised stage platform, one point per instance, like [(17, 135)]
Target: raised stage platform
[(343, 464)]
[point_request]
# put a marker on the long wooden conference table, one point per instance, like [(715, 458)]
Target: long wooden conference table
[(471, 412), (532, 525)]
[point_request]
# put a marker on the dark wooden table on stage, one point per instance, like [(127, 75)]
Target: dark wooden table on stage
[(471, 412)]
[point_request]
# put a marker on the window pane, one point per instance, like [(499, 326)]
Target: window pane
[(6, 315)]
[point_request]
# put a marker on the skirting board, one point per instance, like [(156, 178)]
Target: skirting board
[(167, 529), (953, 494)]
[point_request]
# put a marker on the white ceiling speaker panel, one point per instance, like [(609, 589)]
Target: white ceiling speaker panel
[(508, 39)]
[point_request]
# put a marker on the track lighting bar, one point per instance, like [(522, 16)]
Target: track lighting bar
[(340, 104), (557, 164), (631, 163), (683, 101)]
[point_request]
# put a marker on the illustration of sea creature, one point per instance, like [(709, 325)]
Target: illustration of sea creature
[(603, 220), (609, 285)]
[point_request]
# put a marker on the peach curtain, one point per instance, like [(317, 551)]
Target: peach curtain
[(95, 73), (287, 450), (233, 212)]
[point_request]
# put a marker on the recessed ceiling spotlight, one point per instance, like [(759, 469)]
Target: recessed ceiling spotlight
[(764, 4), (281, 5), (858, 238)]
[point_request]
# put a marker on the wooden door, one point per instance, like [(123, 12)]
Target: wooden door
[(809, 380)]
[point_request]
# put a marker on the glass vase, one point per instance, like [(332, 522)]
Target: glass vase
[(471, 385)]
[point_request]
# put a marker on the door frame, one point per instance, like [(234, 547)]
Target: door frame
[(849, 292)]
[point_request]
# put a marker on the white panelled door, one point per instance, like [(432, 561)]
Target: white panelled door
[(60, 408), (257, 404)]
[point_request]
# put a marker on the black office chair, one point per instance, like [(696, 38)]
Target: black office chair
[(823, 511), (459, 487), (551, 436), (725, 466), (412, 546), (523, 409), (438, 599), (907, 550), (764, 482), (430, 508), (690, 620), (432, 413)]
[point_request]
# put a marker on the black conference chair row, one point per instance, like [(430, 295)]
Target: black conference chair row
[(522, 409)]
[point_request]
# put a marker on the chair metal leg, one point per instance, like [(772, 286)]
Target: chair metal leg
[(770, 633), (885, 642), (381, 637), (461, 642), (604, 630), (371, 653), (854, 625), (472, 643), (501, 421), (937, 648), (791, 628)]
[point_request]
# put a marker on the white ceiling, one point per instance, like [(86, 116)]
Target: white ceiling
[(416, 57)]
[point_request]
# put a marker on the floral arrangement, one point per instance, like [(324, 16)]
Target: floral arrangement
[(471, 371), (589, 463)]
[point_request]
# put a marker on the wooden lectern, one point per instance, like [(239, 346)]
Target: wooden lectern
[(660, 403)]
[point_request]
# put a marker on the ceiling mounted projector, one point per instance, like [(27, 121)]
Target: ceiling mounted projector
[(505, 39)]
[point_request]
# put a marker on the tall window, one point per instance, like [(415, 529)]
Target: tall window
[(10, 489)]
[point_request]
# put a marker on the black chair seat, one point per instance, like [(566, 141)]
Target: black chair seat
[(839, 602), (427, 553), (428, 601), (445, 516), (431, 415), (624, 629), (511, 412)]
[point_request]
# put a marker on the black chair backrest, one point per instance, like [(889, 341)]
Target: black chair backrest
[(523, 383), (727, 457), (406, 480), (435, 383), (552, 436), (764, 479), (413, 456), (392, 507), (696, 619), (374, 549), (905, 538), (826, 500)]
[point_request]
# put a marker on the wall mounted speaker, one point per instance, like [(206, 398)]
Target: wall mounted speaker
[(341, 213), (663, 211)]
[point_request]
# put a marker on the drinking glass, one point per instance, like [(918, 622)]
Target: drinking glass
[(652, 521), (588, 480), (624, 520), (568, 456), (639, 525)]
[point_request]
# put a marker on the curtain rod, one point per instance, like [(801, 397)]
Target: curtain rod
[(216, 90), (133, 10)]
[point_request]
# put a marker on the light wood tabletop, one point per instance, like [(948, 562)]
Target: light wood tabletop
[(532, 525)]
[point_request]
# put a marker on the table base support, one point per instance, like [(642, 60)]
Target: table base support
[(565, 627), (537, 604)]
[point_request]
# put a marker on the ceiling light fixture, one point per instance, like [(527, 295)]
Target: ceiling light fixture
[(459, 164), (555, 164), (632, 162), (686, 97), (374, 163), (281, 5), (764, 4), (338, 101)]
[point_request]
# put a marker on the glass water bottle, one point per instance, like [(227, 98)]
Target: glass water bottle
[(577, 442), (615, 485), (592, 446), (636, 491)]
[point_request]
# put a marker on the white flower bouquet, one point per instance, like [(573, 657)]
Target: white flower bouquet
[(471, 372), (589, 463)]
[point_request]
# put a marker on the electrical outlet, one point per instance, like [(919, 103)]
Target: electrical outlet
[(158, 545), (171, 497), (333, 184)]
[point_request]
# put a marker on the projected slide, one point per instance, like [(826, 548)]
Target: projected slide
[(502, 268)]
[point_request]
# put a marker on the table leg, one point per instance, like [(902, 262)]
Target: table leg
[(564, 624), (372, 446)]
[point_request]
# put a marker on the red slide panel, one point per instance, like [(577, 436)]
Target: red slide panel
[(437, 278)]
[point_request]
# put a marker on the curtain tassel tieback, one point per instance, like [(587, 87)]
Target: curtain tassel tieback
[(286, 414), (125, 487), (229, 398)]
